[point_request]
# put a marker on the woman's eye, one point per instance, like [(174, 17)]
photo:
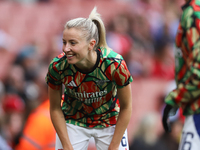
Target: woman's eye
[(73, 43)]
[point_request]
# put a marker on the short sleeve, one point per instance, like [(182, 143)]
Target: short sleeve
[(122, 75), (53, 77)]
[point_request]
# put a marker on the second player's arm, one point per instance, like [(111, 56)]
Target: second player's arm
[(57, 117)]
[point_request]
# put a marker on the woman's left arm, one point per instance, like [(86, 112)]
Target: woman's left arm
[(125, 100)]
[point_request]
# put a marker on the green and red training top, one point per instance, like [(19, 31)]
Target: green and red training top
[(90, 98), (187, 93)]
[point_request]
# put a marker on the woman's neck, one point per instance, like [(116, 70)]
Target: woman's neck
[(88, 63)]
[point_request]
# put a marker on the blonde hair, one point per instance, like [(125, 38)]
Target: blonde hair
[(92, 27)]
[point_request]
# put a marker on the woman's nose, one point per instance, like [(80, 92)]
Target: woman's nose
[(66, 48)]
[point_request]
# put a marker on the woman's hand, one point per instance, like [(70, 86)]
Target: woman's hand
[(67, 148), (113, 147)]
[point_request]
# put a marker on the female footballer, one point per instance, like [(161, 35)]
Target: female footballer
[(97, 95)]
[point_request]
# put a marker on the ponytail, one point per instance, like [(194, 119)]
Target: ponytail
[(96, 19)]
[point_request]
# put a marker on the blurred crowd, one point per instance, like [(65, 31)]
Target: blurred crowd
[(143, 33)]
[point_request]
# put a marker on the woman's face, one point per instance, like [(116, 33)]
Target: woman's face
[(75, 46)]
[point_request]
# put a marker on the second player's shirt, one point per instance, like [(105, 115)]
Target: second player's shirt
[(187, 93), (90, 98)]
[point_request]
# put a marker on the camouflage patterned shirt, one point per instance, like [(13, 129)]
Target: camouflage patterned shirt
[(187, 93), (90, 98)]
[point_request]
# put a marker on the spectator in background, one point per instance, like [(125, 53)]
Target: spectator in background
[(141, 32), (15, 81), (163, 61), (118, 35), (167, 29), (38, 132), (3, 143), (13, 119), (28, 59), (147, 137), (170, 141), (142, 51), (138, 61)]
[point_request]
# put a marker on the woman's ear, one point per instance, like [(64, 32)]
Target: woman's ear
[(92, 44)]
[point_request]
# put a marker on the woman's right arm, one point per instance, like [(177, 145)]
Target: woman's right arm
[(57, 117)]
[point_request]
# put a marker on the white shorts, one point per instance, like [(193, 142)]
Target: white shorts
[(190, 138), (80, 136)]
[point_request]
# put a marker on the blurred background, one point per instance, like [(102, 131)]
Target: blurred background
[(142, 31)]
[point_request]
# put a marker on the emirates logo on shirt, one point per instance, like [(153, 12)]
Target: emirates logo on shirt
[(87, 97)]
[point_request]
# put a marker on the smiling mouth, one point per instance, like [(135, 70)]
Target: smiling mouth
[(69, 56)]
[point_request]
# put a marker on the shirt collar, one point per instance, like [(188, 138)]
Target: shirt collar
[(186, 5)]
